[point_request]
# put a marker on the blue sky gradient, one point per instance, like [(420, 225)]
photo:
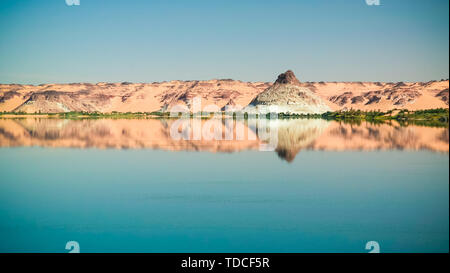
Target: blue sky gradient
[(47, 41)]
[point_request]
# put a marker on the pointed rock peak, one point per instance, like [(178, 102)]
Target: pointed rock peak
[(287, 77)]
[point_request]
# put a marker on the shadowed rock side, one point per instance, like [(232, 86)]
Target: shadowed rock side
[(287, 96), (292, 136), (287, 77)]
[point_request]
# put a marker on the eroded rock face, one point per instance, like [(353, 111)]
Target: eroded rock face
[(383, 96), (287, 78), (126, 97), (287, 96), (294, 95), (399, 97)]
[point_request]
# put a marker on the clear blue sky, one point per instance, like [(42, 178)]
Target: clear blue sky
[(252, 40)]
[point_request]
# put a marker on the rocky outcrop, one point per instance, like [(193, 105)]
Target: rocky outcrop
[(287, 78), (286, 95)]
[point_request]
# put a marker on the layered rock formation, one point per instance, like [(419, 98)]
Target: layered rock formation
[(148, 97), (287, 95), (383, 96), (125, 97)]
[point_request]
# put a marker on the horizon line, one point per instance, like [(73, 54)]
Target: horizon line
[(214, 79)]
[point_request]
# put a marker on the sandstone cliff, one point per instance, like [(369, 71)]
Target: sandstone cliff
[(148, 97)]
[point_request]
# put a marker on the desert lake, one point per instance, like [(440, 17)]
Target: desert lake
[(136, 185)]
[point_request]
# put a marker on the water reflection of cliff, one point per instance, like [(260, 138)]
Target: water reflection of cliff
[(291, 136), (296, 135), (112, 133)]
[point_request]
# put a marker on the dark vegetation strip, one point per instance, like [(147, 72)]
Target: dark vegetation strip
[(431, 117)]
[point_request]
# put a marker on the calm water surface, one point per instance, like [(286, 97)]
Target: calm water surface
[(128, 186)]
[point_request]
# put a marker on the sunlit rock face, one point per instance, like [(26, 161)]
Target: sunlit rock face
[(287, 95)]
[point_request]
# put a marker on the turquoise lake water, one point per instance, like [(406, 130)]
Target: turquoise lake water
[(156, 201), (146, 200)]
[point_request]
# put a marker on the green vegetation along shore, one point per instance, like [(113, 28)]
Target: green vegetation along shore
[(433, 117)]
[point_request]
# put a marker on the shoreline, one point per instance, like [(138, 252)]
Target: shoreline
[(438, 116)]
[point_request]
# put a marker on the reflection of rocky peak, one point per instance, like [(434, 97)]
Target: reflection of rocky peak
[(295, 135), (291, 135)]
